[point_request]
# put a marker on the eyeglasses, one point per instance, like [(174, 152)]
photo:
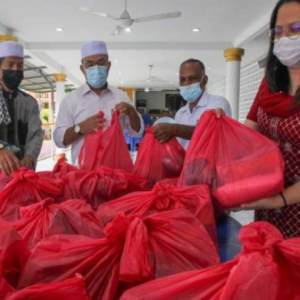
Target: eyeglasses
[(89, 64), (292, 32)]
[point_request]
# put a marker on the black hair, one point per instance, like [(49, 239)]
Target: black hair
[(277, 74), (1, 60), (194, 61)]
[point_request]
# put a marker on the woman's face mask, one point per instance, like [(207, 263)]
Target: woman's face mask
[(288, 51)]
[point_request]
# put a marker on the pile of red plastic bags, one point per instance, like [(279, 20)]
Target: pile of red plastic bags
[(111, 229)]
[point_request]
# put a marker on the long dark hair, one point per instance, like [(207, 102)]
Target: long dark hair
[(277, 75)]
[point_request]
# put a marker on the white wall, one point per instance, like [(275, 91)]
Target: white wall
[(155, 100)]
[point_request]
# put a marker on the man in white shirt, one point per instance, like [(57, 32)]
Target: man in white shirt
[(193, 81), (78, 112)]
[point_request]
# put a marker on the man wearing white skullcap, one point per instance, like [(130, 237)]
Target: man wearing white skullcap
[(21, 135), (78, 112)]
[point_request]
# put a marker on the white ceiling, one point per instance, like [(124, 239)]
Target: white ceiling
[(164, 44)]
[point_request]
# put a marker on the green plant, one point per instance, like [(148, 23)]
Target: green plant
[(45, 115)]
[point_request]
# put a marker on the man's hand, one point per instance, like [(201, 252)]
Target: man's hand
[(125, 109), (163, 132), (8, 162), (219, 112), (27, 162), (92, 124)]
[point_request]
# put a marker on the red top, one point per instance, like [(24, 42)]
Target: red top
[(272, 113), (274, 104)]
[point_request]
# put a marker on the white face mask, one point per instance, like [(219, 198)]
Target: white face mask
[(288, 52)]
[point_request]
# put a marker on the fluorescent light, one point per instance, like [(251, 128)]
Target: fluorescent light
[(84, 9), (196, 29), (208, 68), (122, 82), (147, 90), (99, 14), (127, 29), (116, 61), (177, 74), (59, 29), (119, 73)]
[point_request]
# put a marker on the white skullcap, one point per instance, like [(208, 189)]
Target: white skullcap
[(11, 48), (92, 48)]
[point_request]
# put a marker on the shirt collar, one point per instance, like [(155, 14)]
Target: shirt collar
[(203, 102), (86, 89)]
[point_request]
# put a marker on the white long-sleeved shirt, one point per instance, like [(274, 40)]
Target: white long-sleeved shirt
[(84, 103), (184, 116)]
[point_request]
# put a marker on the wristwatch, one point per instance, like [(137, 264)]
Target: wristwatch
[(77, 129), (2, 146)]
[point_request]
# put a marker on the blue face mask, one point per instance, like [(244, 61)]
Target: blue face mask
[(192, 92), (96, 76)]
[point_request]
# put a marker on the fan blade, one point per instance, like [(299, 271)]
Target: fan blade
[(104, 15), (117, 31), (158, 17)]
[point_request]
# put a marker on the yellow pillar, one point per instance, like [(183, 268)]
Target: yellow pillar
[(60, 79), (7, 37), (234, 54), (233, 70)]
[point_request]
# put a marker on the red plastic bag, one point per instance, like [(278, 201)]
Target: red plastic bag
[(106, 148), (60, 170), (47, 218), (239, 164), (105, 184), (267, 268), (156, 161), (4, 180), (27, 188), (71, 181), (14, 253), (71, 289), (164, 197), (135, 250), (5, 288)]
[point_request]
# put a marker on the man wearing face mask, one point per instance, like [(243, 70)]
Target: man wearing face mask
[(20, 124), (78, 112), (193, 81)]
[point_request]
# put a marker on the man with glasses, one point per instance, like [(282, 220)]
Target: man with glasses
[(193, 80), (78, 112), (21, 134)]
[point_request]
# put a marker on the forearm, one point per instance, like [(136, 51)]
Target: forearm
[(292, 194), (135, 121), (70, 136), (183, 131)]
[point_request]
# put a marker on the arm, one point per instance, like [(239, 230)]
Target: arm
[(251, 124), (164, 132), (34, 139), (64, 133), (130, 119), (291, 194), (128, 110), (90, 125)]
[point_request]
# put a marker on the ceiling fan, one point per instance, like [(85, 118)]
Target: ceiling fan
[(125, 21), (150, 81)]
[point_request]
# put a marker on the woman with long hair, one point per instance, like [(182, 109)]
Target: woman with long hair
[(276, 114)]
